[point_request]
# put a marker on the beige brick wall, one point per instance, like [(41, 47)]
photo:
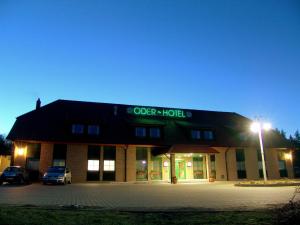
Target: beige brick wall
[(231, 164), (131, 158), (77, 161), (120, 164), (220, 164), (46, 157), (251, 163), (272, 163)]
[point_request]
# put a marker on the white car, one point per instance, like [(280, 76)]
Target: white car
[(57, 175)]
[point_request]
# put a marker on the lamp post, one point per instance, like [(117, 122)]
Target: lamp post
[(258, 127)]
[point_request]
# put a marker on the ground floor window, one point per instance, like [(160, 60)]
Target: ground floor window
[(240, 164), (198, 167), (141, 164), (156, 170), (59, 155), (109, 165), (93, 170), (282, 165), (213, 166), (109, 159)]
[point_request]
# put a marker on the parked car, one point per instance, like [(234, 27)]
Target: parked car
[(57, 175), (14, 174)]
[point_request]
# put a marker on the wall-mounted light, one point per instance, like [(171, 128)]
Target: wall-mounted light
[(189, 164), (144, 162), (288, 156), (166, 163), (20, 151)]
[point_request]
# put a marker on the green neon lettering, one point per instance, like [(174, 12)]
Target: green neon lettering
[(136, 110), (145, 111)]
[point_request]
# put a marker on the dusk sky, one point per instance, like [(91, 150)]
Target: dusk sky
[(238, 56)]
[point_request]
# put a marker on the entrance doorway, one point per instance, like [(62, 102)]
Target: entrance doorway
[(180, 169)]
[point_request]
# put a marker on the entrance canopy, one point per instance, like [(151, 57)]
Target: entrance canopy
[(184, 149)]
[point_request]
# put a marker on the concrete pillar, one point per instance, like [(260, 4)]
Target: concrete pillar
[(172, 166), (251, 163), (131, 163), (120, 162), (231, 164)]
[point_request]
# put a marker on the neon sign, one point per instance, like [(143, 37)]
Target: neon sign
[(149, 111)]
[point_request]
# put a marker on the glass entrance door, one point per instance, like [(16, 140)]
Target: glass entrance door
[(180, 169)]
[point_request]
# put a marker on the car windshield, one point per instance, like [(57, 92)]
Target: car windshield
[(11, 169), (56, 170)]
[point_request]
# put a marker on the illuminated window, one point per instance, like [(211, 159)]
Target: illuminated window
[(93, 165), (109, 165), (140, 132), (77, 129), (93, 130), (196, 134), (155, 132)]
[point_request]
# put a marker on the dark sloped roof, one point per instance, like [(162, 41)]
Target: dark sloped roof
[(53, 122)]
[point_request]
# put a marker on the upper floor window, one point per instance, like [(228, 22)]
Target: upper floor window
[(208, 135), (140, 132), (196, 134), (93, 130), (154, 132), (77, 129)]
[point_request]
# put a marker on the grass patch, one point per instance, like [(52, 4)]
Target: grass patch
[(18, 215)]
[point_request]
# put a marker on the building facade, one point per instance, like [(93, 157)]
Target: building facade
[(123, 143)]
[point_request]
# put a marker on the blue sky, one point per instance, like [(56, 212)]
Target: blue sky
[(240, 56)]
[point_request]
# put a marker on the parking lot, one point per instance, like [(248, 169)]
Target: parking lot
[(204, 196)]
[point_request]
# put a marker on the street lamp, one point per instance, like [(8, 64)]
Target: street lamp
[(258, 127)]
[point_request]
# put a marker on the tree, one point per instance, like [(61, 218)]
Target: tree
[(5, 146)]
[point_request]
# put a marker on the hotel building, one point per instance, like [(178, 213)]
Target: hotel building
[(128, 143)]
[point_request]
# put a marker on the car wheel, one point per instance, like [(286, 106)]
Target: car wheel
[(1, 182), (65, 181), (44, 183)]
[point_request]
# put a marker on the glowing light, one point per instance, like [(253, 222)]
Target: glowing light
[(166, 163), (255, 127), (288, 156), (20, 151), (144, 162), (189, 164), (267, 126)]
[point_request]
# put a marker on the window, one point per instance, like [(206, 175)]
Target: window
[(282, 165), (59, 154), (154, 132), (77, 129), (109, 157), (259, 159), (109, 165), (240, 164), (93, 130), (93, 157), (59, 162), (93, 165), (140, 132), (213, 166), (196, 134), (208, 135), (141, 163)]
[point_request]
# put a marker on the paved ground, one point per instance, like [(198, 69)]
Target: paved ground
[(205, 196)]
